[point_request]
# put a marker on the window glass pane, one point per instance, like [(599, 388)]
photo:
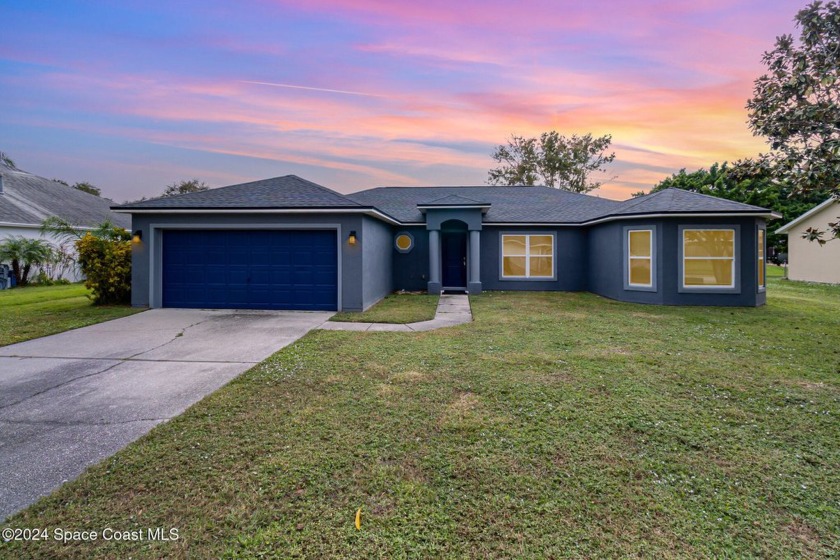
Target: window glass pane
[(708, 272), (541, 245), (640, 272), (761, 272), (709, 243), (542, 266), (513, 245), (513, 266), (640, 243), (403, 242), (761, 243)]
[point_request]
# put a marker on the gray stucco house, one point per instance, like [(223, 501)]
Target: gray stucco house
[(288, 243)]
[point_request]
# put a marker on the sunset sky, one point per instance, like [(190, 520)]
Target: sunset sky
[(352, 94)]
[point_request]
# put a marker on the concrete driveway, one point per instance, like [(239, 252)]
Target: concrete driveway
[(69, 400)]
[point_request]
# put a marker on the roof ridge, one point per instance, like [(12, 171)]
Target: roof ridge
[(322, 187), (287, 176), (453, 196), (713, 197), (550, 189), (633, 202)]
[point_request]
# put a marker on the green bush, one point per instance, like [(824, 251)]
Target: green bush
[(44, 279), (106, 264)]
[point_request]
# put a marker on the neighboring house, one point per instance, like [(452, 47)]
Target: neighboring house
[(26, 200), (808, 260), (287, 243)]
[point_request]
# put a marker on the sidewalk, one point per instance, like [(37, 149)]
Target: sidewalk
[(451, 310)]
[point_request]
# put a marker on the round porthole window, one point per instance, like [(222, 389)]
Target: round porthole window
[(404, 242)]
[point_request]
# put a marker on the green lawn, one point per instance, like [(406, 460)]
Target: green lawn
[(396, 308), (32, 312), (554, 425)]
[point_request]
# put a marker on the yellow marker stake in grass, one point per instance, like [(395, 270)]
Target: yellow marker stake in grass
[(359, 520)]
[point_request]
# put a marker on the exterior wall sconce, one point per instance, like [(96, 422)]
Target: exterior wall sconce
[(137, 236), (351, 239)]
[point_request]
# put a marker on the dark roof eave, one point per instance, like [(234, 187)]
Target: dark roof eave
[(128, 209), (455, 205), (122, 209)]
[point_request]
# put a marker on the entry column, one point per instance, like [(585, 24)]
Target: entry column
[(434, 286), (474, 285)]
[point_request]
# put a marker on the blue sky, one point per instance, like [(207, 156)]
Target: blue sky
[(132, 96)]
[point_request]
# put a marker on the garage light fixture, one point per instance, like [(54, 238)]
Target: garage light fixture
[(137, 236), (351, 239)]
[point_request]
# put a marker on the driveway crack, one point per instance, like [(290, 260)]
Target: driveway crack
[(67, 382), (178, 335)]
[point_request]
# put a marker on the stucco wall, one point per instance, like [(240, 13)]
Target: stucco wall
[(606, 263), (377, 256), (144, 272), (411, 270), (809, 261)]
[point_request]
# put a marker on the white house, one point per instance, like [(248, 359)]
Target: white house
[(808, 260), (26, 200)]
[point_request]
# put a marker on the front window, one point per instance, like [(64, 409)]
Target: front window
[(527, 256), (640, 258), (762, 281), (708, 258)]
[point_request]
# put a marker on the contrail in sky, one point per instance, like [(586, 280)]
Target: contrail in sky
[(290, 86)]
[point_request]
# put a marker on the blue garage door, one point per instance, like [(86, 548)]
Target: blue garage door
[(253, 269)]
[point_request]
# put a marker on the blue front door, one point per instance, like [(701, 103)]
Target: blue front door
[(250, 269), (454, 257)]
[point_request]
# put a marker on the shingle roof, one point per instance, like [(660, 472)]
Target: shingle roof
[(507, 204), (672, 201), (29, 199), (289, 191), (453, 200)]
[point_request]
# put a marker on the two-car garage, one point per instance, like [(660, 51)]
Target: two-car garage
[(250, 269)]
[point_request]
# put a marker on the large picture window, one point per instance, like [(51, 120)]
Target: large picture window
[(528, 256), (708, 258)]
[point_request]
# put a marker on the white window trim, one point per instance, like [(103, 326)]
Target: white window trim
[(631, 258), (733, 258), (527, 256)]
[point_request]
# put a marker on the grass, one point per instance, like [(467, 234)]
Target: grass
[(32, 312), (554, 425), (396, 308)]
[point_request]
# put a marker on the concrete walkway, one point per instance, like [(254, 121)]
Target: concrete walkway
[(451, 310)]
